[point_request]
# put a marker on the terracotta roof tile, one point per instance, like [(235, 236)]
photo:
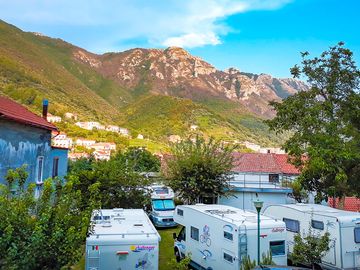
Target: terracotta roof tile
[(263, 163), (11, 110), (350, 204)]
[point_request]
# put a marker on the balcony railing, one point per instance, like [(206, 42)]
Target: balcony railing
[(282, 184)]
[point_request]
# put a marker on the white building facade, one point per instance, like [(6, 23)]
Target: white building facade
[(61, 140), (260, 176)]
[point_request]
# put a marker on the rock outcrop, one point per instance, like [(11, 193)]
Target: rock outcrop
[(173, 71)]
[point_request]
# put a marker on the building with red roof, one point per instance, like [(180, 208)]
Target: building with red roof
[(264, 163), (260, 175), (25, 139), (12, 111)]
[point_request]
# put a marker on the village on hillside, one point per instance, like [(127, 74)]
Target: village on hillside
[(260, 174), (180, 135)]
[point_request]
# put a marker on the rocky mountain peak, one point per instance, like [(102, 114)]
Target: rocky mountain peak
[(177, 53), (174, 71)]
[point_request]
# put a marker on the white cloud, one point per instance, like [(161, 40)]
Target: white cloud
[(114, 23), (193, 40)]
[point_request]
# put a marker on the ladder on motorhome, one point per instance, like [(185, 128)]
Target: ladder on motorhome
[(93, 259), (242, 243)]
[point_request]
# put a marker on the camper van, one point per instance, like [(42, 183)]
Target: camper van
[(343, 226), (122, 239), (219, 236), (162, 206)]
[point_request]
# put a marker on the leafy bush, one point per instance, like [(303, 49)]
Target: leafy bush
[(310, 248), (119, 180), (43, 233)]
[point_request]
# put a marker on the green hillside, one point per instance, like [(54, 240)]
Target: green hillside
[(159, 116), (33, 67)]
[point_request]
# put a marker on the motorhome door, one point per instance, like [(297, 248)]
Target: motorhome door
[(182, 241)]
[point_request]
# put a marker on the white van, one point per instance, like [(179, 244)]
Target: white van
[(122, 239), (343, 226), (162, 206), (219, 236)]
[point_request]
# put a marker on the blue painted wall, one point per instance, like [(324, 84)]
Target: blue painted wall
[(62, 154), (22, 144)]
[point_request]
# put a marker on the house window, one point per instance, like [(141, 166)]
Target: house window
[(228, 236), (180, 212), (39, 170), (277, 248), (55, 170), (317, 224), (292, 225), (357, 235), (228, 257), (273, 178), (194, 233)]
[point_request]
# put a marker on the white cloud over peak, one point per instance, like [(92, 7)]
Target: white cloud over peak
[(114, 23), (193, 40)]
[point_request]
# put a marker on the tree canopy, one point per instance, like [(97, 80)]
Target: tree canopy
[(199, 169), (43, 233), (119, 180), (324, 122)]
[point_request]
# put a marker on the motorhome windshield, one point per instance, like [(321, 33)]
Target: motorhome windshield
[(162, 205), (161, 190)]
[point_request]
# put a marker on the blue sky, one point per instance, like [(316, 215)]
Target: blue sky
[(259, 36)]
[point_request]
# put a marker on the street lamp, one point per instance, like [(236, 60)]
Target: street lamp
[(258, 205)]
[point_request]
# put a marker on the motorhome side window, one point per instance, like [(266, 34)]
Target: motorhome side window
[(357, 235), (228, 257), (228, 236), (194, 233), (277, 248), (180, 212), (316, 224), (292, 225)]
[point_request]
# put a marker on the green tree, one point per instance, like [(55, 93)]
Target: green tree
[(43, 233), (199, 169), (299, 193), (310, 248), (118, 183), (142, 160), (324, 122)]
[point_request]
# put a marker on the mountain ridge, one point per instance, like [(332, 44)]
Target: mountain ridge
[(126, 88), (174, 71)]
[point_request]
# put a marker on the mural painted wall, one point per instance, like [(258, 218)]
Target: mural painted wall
[(22, 144)]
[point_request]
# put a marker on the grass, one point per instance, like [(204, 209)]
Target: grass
[(152, 146), (166, 247)]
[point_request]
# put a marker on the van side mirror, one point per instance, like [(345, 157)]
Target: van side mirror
[(174, 236)]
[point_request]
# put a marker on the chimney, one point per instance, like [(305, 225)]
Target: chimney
[(45, 108)]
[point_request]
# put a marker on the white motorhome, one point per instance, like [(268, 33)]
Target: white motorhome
[(343, 226), (122, 239), (220, 236), (162, 206)]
